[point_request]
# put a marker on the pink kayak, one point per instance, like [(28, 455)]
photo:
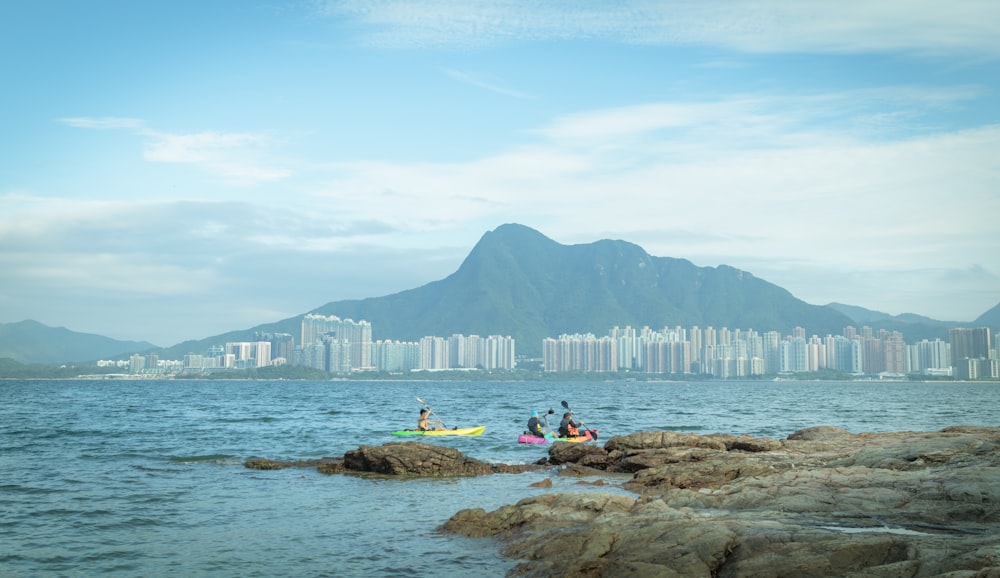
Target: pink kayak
[(588, 435)]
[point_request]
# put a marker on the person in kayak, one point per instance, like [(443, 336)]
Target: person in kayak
[(567, 427), (425, 423), (535, 426)]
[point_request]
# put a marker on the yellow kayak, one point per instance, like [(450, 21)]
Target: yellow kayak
[(461, 431)]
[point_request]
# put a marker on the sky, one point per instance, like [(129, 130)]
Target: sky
[(176, 169)]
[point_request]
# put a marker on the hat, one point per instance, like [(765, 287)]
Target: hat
[(534, 413)]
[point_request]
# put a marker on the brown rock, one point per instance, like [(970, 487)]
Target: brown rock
[(400, 458), (752, 444), (826, 503), (268, 464), (414, 459), (820, 433), (663, 439), (578, 453)]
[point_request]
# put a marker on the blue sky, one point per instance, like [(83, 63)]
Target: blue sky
[(175, 170)]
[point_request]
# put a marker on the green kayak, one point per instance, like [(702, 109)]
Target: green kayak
[(461, 431)]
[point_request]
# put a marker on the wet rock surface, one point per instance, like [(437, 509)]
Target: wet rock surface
[(416, 459), (823, 502), (413, 459)]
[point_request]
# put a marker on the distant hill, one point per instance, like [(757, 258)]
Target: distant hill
[(989, 319), (33, 342), (913, 327), (860, 315)]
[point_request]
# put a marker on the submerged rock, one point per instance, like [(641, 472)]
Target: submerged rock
[(268, 464), (823, 502)]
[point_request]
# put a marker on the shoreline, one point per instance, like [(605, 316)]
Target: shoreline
[(821, 502)]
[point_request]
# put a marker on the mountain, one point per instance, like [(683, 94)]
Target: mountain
[(33, 342), (518, 282), (860, 315), (913, 327), (989, 319)]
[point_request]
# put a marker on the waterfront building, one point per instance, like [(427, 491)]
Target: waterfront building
[(433, 353), (772, 352), (357, 335), (136, 363), (337, 354), (895, 352), (928, 358), (396, 356), (245, 354), (969, 343), (282, 344), (873, 362)]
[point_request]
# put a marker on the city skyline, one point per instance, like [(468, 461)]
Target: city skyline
[(343, 346), (210, 166)]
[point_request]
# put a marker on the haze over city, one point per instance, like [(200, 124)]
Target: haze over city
[(175, 170)]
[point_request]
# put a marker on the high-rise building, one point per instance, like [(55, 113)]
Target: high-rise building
[(358, 335), (396, 356), (136, 363), (927, 357), (969, 343), (433, 353), (895, 353), (282, 344), (772, 352)]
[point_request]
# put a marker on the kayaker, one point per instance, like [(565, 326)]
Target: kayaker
[(425, 423), (535, 425), (567, 427)]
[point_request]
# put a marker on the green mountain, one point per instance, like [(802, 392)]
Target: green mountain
[(518, 282), (33, 342)]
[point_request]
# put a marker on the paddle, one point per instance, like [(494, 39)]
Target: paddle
[(431, 411), (593, 434)]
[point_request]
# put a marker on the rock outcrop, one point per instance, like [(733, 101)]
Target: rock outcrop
[(823, 502), (416, 459)]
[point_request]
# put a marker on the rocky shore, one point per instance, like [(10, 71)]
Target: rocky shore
[(822, 502), (413, 459)]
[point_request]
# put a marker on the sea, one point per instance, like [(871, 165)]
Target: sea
[(146, 477)]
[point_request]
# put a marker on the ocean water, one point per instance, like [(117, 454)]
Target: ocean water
[(145, 478)]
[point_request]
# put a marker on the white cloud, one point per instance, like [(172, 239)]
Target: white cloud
[(804, 191), (239, 158), (809, 185), (195, 148)]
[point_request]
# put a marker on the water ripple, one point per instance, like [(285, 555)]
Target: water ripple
[(146, 478)]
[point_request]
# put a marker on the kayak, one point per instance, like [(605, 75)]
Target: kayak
[(460, 431), (588, 435)]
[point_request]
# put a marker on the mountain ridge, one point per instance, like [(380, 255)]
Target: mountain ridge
[(516, 281), (29, 341)]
